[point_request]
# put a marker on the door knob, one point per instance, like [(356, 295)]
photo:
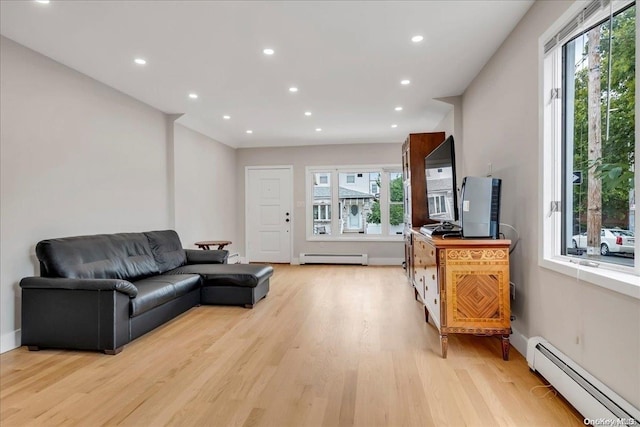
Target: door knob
[(287, 220), (287, 214)]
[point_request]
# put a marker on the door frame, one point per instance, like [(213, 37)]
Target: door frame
[(289, 168)]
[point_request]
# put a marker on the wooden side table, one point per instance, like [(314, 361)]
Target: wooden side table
[(205, 244)]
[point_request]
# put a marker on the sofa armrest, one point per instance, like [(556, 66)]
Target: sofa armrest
[(122, 286), (195, 256)]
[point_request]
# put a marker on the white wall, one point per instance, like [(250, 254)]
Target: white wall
[(331, 155), (205, 184), (597, 328), (451, 124), (78, 157)]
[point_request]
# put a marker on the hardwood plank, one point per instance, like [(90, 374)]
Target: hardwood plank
[(330, 346)]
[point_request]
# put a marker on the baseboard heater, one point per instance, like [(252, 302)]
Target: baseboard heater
[(359, 259), (590, 397)]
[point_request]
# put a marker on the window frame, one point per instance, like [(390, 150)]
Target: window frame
[(624, 280), (384, 197)]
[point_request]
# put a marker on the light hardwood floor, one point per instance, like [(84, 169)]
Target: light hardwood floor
[(330, 345)]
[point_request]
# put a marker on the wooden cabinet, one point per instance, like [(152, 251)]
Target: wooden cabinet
[(464, 286), (414, 150)]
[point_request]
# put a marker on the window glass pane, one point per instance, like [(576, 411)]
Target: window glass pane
[(358, 205), (321, 203), (396, 205), (599, 141)]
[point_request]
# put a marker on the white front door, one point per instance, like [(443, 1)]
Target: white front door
[(354, 217), (268, 214)]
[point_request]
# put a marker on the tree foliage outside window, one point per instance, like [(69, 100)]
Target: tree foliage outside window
[(396, 208)]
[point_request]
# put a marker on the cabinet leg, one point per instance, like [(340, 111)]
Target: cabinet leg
[(426, 314), (415, 293), (444, 343), (506, 345)]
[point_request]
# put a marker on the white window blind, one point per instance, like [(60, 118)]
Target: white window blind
[(574, 24)]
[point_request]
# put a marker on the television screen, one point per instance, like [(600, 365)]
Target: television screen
[(440, 171)]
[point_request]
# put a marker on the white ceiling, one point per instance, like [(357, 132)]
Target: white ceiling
[(346, 57)]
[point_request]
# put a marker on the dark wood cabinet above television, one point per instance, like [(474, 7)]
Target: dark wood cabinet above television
[(414, 150)]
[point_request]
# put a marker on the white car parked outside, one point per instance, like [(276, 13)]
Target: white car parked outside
[(612, 240)]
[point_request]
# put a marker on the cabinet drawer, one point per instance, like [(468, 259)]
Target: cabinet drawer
[(418, 283), (424, 255), (432, 297)]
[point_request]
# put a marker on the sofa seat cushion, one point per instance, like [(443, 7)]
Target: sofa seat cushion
[(157, 290), (242, 275)]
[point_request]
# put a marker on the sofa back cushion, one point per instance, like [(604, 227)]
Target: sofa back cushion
[(167, 249), (125, 256)]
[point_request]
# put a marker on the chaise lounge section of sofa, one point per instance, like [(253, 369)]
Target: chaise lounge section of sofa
[(101, 292)]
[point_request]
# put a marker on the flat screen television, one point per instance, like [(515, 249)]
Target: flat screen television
[(440, 172)]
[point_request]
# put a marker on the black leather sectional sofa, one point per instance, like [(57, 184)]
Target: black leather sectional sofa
[(101, 292)]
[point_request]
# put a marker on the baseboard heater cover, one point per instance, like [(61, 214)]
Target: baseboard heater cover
[(311, 258), (593, 399)]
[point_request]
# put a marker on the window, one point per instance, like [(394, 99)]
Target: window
[(321, 201), (589, 169), (438, 204), (322, 212), (356, 203), (396, 203), (367, 202)]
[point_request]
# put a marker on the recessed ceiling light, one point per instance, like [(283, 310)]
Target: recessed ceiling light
[(193, 95), (394, 125), (140, 61), (417, 39), (307, 113), (318, 129), (249, 131), (293, 89), (42, 1), (405, 82), (398, 108), (226, 117), (268, 51)]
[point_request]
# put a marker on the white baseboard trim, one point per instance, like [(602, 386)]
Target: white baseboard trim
[(10, 341), (372, 261), (386, 261), (519, 342)]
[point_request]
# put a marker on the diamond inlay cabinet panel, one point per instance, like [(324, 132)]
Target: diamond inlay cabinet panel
[(470, 292), (477, 297)]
